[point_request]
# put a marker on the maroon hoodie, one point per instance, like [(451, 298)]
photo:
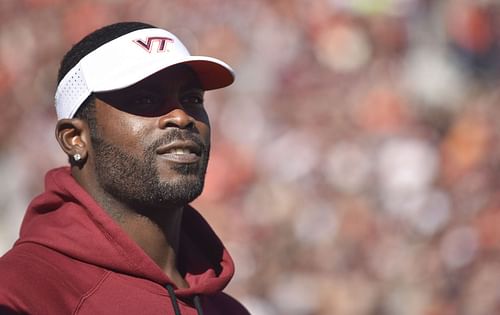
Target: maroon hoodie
[(72, 258)]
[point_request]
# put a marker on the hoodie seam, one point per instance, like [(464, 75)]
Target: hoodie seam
[(158, 292), (89, 293)]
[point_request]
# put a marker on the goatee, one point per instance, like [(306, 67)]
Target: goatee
[(136, 181)]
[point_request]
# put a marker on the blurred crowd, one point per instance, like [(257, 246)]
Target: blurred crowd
[(354, 161)]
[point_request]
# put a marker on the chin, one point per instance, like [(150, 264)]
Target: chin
[(182, 190)]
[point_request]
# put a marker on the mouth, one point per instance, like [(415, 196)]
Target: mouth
[(185, 152)]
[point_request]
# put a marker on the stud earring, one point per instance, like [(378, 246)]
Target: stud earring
[(77, 157)]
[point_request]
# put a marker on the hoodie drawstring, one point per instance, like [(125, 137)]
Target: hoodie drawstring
[(197, 304), (175, 304), (173, 298)]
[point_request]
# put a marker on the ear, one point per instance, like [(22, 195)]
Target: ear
[(74, 138)]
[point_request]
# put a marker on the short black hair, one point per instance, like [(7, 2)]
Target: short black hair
[(85, 46)]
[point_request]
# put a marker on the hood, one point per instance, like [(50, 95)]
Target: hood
[(65, 218)]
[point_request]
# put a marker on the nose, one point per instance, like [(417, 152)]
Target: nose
[(176, 118)]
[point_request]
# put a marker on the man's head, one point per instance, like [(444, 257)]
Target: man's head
[(130, 104)]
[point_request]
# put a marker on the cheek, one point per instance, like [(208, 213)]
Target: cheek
[(122, 130), (204, 130), (203, 125), (134, 128)]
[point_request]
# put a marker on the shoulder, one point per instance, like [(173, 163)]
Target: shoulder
[(30, 265), (37, 279), (16, 272)]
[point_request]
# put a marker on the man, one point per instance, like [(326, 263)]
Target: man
[(113, 233)]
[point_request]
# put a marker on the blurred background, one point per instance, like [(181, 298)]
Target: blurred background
[(355, 159)]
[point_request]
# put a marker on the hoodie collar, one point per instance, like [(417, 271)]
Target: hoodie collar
[(67, 219)]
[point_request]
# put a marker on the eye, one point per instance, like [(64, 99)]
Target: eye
[(192, 98), (147, 102)]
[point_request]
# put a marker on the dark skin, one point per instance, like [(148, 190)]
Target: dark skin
[(132, 119)]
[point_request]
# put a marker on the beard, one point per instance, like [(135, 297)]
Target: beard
[(136, 182)]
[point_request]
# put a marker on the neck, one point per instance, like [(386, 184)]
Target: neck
[(158, 236), (157, 232)]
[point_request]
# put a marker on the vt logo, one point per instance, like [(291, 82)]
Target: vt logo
[(148, 44)]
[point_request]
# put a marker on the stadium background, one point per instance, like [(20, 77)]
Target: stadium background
[(355, 160)]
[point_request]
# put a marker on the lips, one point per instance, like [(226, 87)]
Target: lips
[(180, 152)]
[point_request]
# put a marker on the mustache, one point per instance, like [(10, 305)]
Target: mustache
[(178, 134)]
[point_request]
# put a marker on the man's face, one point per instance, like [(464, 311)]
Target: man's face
[(151, 141)]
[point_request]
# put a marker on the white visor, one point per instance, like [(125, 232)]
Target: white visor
[(129, 59)]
